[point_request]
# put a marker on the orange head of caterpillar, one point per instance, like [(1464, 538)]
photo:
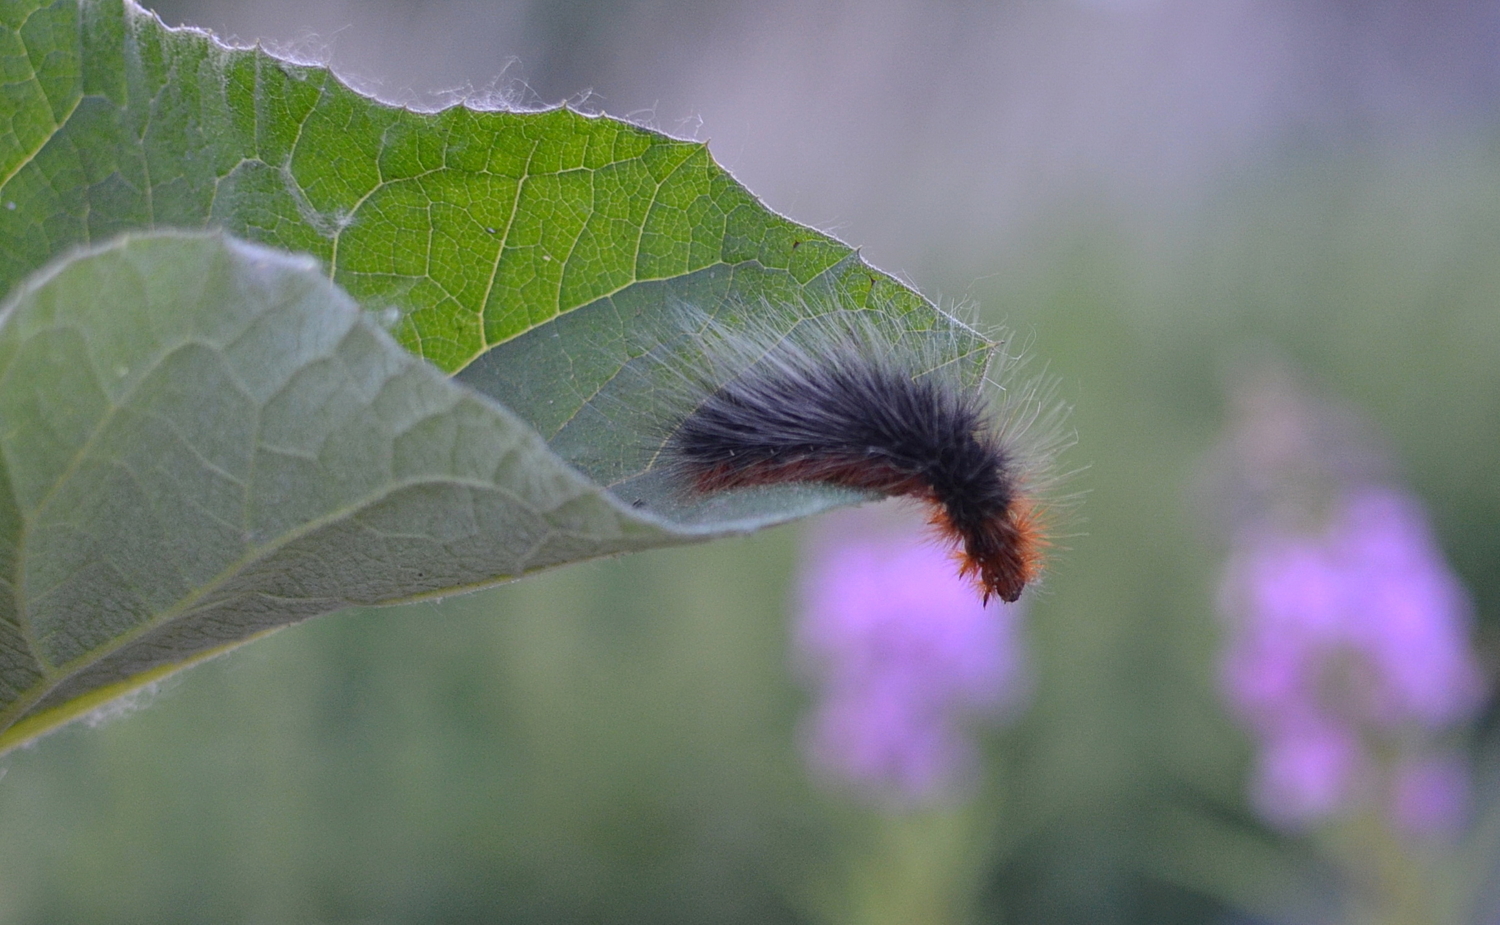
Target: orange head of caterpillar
[(1003, 553)]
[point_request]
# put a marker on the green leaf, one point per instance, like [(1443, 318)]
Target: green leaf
[(474, 226), (548, 258), (205, 440), (464, 229)]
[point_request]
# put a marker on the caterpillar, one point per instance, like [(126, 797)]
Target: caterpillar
[(844, 402)]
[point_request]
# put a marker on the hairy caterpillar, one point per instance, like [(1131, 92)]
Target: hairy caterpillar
[(842, 401)]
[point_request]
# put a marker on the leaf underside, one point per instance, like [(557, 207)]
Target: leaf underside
[(206, 440)]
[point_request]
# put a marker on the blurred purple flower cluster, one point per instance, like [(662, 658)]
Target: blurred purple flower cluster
[(904, 657), (1348, 653)]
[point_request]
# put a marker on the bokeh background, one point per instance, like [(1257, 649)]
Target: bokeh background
[(1156, 195)]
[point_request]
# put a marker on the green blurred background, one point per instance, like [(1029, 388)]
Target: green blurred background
[(1148, 192)]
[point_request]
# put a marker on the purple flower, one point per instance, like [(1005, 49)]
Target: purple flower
[(1340, 640), (1305, 774), (904, 656)]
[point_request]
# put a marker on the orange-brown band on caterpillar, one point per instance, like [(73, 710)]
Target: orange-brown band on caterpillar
[(1001, 554)]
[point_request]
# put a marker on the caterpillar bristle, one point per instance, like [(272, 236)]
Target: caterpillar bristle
[(845, 404)]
